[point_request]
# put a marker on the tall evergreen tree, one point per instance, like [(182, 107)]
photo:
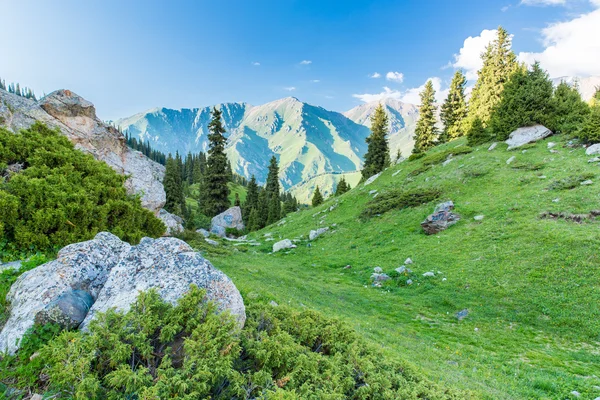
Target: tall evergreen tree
[(570, 110), (317, 198), (237, 202), (253, 221), (454, 109), (425, 131), (263, 209), (526, 100), (342, 187), (274, 212), (272, 189), (216, 197), (175, 200), (499, 63), (378, 153), (251, 197)]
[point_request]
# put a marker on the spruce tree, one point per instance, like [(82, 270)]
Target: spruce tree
[(237, 202), (378, 153), (274, 214), (216, 198), (263, 209), (425, 131), (454, 109), (253, 221), (342, 187), (477, 133), (590, 130), (499, 63), (272, 189), (317, 198), (251, 197), (175, 200)]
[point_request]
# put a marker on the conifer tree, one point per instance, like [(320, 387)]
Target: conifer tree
[(253, 223), (272, 189), (342, 187), (175, 200), (263, 209), (499, 63), (590, 130), (237, 202), (570, 110), (454, 109), (216, 197), (317, 198), (477, 133), (378, 153), (274, 212), (425, 131), (251, 197)]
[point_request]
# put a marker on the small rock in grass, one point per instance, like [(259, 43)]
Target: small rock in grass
[(448, 161), (371, 192), (396, 173), (551, 145), (575, 393), (403, 269), (462, 314), (553, 151), (409, 282), (478, 217), (380, 277), (593, 149), (444, 279), (510, 160), (428, 274), (211, 242), (595, 159), (586, 182), (348, 266), (542, 177), (283, 245), (372, 179), (408, 261), (493, 146), (556, 200), (273, 303), (375, 195), (378, 270)]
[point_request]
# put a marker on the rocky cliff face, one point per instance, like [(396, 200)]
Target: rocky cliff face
[(76, 118)]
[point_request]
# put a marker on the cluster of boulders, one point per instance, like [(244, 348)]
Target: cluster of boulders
[(441, 219), (93, 276)]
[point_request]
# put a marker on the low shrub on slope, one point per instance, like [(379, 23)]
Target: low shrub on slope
[(52, 194)]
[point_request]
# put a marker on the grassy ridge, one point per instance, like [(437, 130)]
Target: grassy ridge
[(530, 284)]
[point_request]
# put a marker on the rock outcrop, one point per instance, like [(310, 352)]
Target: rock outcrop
[(230, 218), (526, 135), (173, 222), (441, 219), (283, 245), (112, 273), (76, 118)]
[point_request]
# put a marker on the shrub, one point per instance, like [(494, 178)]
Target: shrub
[(159, 351), (570, 182), (416, 156), (398, 199), (590, 131), (437, 158), (419, 170), (477, 133), (62, 195)]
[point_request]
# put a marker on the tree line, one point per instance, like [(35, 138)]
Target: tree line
[(16, 89)]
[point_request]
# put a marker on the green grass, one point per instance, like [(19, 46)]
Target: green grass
[(532, 286)]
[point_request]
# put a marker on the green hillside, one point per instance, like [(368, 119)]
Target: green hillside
[(530, 285)]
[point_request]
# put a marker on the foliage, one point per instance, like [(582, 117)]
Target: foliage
[(62, 195), (441, 156), (342, 187), (145, 148), (590, 131), (377, 157), (416, 156), (317, 198), (526, 100), (570, 111), (398, 199), (173, 185), (570, 182), (272, 189), (499, 63), (477, 133), (157, 350), (425, 131), (454, 109), (215, 191)]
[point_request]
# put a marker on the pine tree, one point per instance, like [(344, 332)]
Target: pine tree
[(398, 156), (274, 213), (454, 109), (342, 187), (237, 202), (175, 200), (263, 209), (216, 197), (272, 189), (251, 197), (499, 63), (590, 130), (477, 133), (253, 223), (426, 132), (317, 198), (378, 153)]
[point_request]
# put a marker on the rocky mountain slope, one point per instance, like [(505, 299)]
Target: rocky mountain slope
[(76, 118), (587, 86)]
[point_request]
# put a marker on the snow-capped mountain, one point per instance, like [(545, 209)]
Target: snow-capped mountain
[(587, 86)]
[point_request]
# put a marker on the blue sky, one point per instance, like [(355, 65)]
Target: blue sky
[(128, 56)]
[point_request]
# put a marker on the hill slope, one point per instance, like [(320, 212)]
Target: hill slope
[(530, 285)]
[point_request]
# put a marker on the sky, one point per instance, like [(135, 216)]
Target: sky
[(130, 56)]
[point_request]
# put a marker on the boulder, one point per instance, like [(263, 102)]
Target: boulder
[(441, 219), (492, 146), (68, 310), (203, 232), (113, 273), (14, 265), (527, 134), (283, 244), (174, 223), (315, 234), (377, 277), (230, 218), (593, 149)]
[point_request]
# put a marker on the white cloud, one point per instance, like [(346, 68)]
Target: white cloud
[(256, 63), (571, 47), (375, 75), (544, 2), (407, 96), (315, 80), (394, 76), (469, 56), (290, 88), (305, 62)]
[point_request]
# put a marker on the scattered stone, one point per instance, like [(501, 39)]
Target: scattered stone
[(409, 282), (444, 279), (36, 397), (273, 303), (576, 393), (315, 234), (372, 192), (527, 134), (113, 272), (348, 267), (556, 200), (462, 314), (448, 161), (586, 182), (578, 218), (397, 172), (14, 265), (380, 277), (478, 218), (230, 218), (283, 245), (211, 242), (510, 160), (372, 179), (441, 219), (553, 151), (333, 207), (376, 194), (551, 145), (203, 232), (403, 270), (428, 274), (282, 222), (493, 146), (595, 159), (269, 239), (377, 270), (542, 177), (593, 149), (268, 234), (68, 310), (400, 159), (408, 261)]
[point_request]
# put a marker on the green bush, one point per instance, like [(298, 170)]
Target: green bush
[(416, 156), (398, 199), (419, 170), (62, 195), (187, 351), (438, 158), (570, 182), (590, 131)]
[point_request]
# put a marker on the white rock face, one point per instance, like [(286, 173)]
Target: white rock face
[(76, 118), (593, 149), (174, 223), (230, 218), (526, 135), (113, 273), (283, 244)]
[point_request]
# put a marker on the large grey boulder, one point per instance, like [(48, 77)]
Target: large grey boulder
[(441, 219), (113, 273), (527, 134), (316, 233), (593, 149), (174, 223), (230, 218), (283, 245), (68, 310), (76, 118)]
